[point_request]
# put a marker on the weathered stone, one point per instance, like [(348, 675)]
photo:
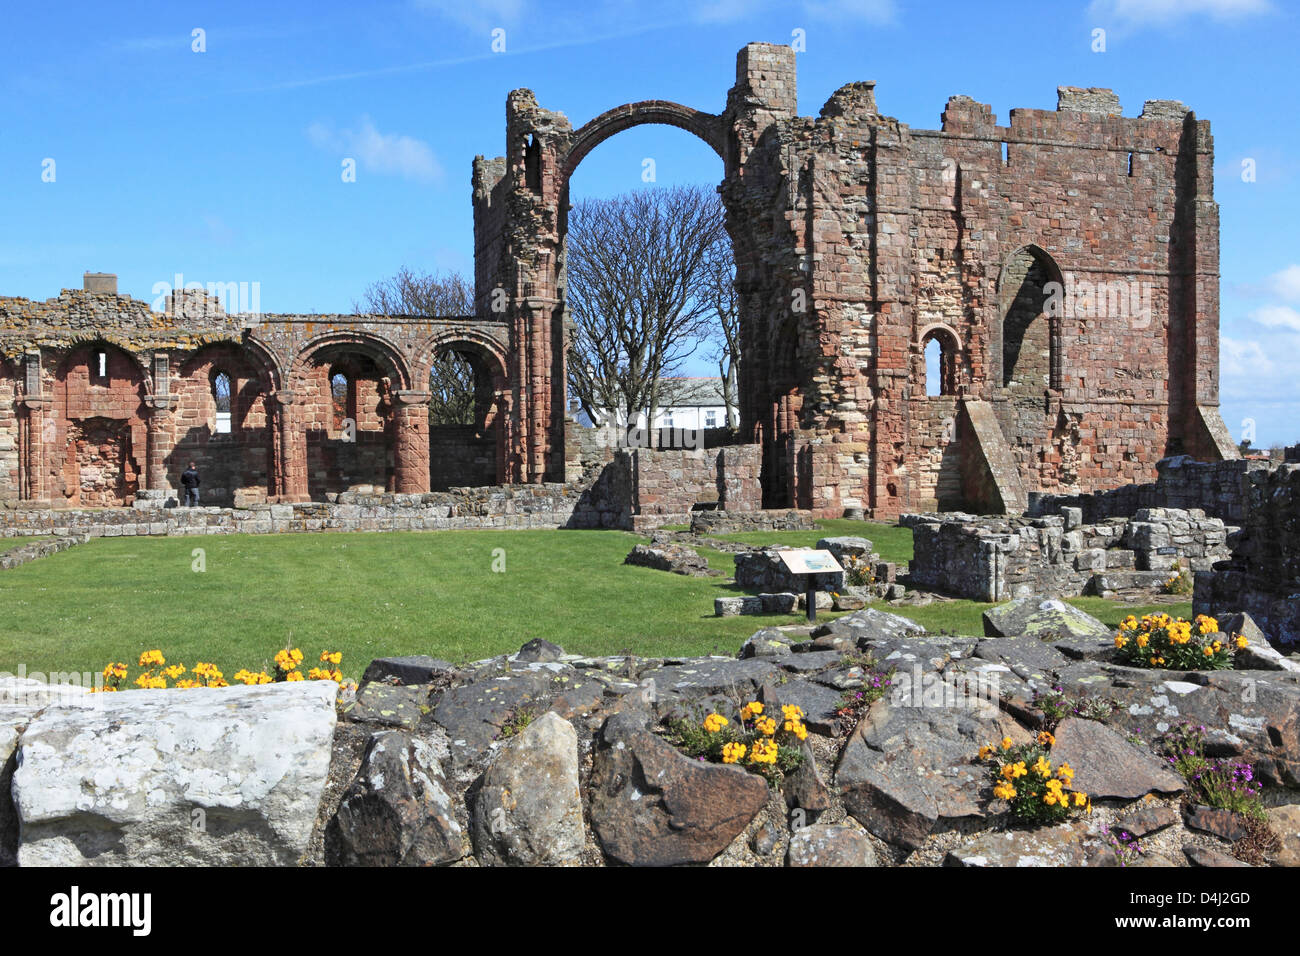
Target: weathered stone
[(407, 670), (820, 845), (676, 558), (249, 761), (870, 624), (1048, 618), (769, 642), (1204, 856), (539, 651), (527, 810), (906, 770), (390, 705), (818, 702), (1107, 766), (398, 810), (713, 675), (1144, 821), (651, 806), (804, 788), (473, 714), (1067, 844), (765, 839), (1221, 823), (1285, 822)]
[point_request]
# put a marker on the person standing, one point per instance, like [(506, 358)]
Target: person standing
[(190, 482)]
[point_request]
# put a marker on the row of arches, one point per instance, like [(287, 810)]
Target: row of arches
[(103, 423)]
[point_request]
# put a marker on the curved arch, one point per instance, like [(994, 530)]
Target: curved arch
[(1045, 259), (386, 355), (117, 341), (1024, 295), (706, 126), (939, 327), (260, 354), (479, 341)]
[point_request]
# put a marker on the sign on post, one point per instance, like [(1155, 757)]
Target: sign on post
[(810, 562)]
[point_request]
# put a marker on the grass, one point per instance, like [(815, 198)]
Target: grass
[(367, 595), (379, 594)]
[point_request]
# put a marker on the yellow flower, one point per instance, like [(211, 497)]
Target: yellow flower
[(1007, 743), (792, 712), (1065, 772), (986, 751), (1080, 799), (1120, 640), (1046, 739), (764, 751), (152, 659), (752, 709), (765, 726), (1240, 641), (733, 753), (1042, 767), (1004, 791), (715, 722), (295, 676)]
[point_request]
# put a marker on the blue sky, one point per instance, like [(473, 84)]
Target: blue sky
[(224, 165)]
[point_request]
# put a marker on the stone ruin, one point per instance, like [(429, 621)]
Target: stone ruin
[(995, 559), (1064, 263)]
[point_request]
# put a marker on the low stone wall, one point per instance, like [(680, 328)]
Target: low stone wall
[(1262, 576), (39, 549), (995, 558), (738, 522), (639, 489), (1220, 489)]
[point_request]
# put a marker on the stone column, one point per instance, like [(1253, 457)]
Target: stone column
[(410, 423), (32, 441), (291, 466), (160, 440)]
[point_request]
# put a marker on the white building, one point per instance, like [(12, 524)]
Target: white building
[(689, 402)]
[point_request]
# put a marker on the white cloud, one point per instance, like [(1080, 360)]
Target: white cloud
[(1286, 284), (872, 11), (376, 152), (1277, 317), (477, 15), (1164, 12)]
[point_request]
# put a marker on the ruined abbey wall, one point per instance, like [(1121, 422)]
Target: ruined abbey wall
[(1063, 264)]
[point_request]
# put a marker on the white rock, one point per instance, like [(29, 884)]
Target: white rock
[(208, 776)]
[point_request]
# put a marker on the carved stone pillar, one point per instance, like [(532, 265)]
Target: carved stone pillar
[(291, 463), (410, 424), (33, 426), (160, 440)]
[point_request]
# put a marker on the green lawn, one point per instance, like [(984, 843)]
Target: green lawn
[(368, 595), (372, 595)]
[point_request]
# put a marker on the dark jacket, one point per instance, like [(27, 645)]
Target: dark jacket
[(189, 478)]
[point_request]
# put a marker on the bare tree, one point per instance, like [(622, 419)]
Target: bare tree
[(452, 380), (638, 295), (720, 293)]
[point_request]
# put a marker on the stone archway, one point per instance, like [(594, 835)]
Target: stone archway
[(466, 442)]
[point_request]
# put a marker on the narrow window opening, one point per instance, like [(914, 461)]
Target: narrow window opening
[(1130, 164), (101, 363), (341, 398), (1006, 154), (221, 396), (533, 164)]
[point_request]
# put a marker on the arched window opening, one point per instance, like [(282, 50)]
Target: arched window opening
[(940, 363), (341, 398), (1029, 348), (457, 389), (221, 397), (533, 164)]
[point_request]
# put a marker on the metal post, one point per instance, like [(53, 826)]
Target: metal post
[(810, 598)]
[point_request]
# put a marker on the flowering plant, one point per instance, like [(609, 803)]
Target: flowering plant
[(1025, 779), (757, 741), (1158, 640), (155, 672)]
